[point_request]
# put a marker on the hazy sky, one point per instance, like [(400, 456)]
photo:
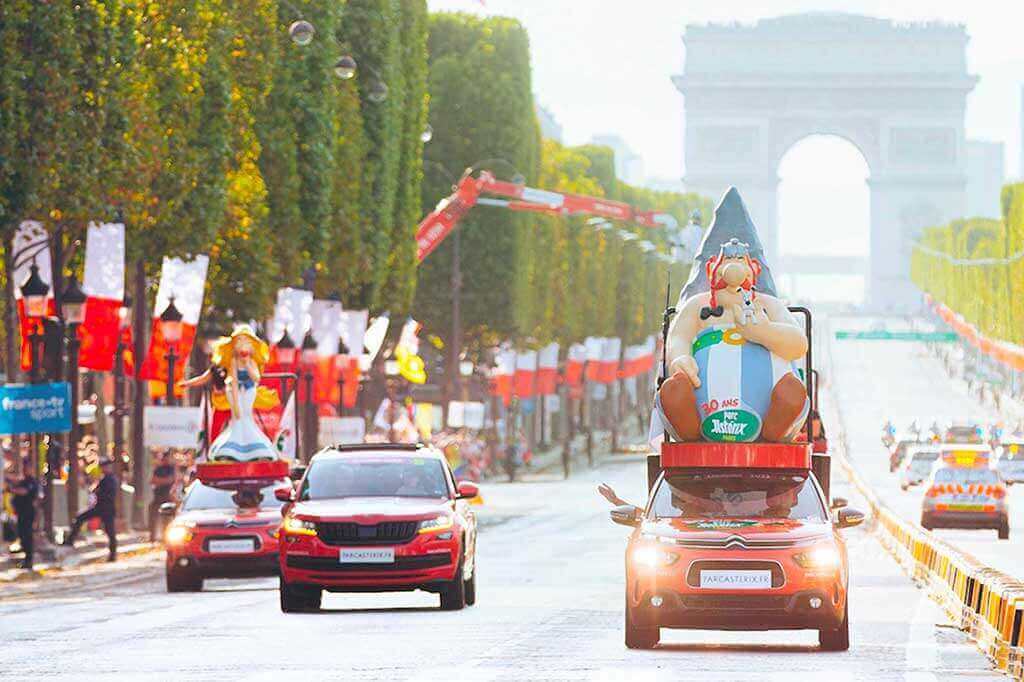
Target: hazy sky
[(603, 66)]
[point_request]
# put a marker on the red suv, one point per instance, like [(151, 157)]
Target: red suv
[(378, 517), (220, 533)]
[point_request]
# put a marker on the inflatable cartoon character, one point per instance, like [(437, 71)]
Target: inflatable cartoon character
[(238, 363), (732, 346)]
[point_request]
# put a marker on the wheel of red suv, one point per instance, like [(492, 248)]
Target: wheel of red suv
[(1004, 529), (838, 639), (299, 598), (470, 588), (638, 637), (453, 594), (180, 581)]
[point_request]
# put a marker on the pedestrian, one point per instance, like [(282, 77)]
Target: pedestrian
[(162, 481), (25, 492), (104, 507)]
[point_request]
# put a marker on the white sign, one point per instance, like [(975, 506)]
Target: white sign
[(377, 555), (466, 415), (171, 427), (552, 403), (338, 430), (736, 580)]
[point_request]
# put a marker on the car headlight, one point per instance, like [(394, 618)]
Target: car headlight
[(647, 556), (443, 522), (178, 533), (294, 526), (825, 557)]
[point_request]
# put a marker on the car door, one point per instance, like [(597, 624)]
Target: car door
[(465, 510)]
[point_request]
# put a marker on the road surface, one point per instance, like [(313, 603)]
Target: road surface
[(549, 608), (878, 380)]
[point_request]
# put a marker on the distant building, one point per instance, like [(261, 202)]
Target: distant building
[(629, 167), (549, 125), (986, 172)]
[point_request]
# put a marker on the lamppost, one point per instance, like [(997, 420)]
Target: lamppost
[(34, 292), (341, 361), (391, 377), (309, 358), (72, 309), (170, 327), (124, 319)]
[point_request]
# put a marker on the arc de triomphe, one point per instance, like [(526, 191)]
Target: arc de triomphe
[(896, 91)]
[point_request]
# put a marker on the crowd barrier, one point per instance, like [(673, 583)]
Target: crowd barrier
[(983, 602)]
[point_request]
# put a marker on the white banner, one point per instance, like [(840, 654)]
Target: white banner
[(353, 330), (185, 281), (341, 430), (466, 415), (104, 262), (325, 316), (31, 245), (552, 403), (291, 313), (171, 427), (373, 337)]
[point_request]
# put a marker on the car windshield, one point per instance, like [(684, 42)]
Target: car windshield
[(204, 497), (738, 495), (383, 475), (963, 434), (957, 475)]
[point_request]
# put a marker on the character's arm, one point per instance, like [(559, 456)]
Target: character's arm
[(776, 329), (684, 328), (200, 380)]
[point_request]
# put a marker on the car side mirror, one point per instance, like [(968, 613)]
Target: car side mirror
[(467, 490), (839, 502), (284, 494), (626, 515), (167, 509), (848, 518)]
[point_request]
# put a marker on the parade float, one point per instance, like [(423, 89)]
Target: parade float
[(241, 455)]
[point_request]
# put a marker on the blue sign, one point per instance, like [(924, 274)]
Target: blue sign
[(35, 408)]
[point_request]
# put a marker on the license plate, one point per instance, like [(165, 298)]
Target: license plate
[(376, 555), (736, 580), (243, 546)]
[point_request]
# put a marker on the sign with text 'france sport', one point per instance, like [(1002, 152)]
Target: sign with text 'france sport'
[(35, 408), (167, 426)]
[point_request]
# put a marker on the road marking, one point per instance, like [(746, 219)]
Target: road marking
[(922, 649)]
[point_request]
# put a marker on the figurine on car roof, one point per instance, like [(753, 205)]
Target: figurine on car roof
[(733, 344)]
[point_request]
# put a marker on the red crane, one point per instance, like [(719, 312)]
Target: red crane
[(468, 193)]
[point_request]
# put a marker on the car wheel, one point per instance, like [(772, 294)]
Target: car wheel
[(470, 589), (299, 598), (838, 639), (453, 594), (1004, 529), (180, 581), (638, 637)]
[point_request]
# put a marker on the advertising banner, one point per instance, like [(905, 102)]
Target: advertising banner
[(339, 430), (35, 408), (172, 427)]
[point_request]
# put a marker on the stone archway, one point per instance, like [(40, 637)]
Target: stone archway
[(896, 92)]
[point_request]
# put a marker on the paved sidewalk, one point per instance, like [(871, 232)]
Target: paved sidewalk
[(92, 549)]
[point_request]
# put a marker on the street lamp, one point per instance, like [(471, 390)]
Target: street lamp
[(286, 350), (309, 357), (170, 327), (345, 67), (378, 91), (124, 318), (341, 361), (72, 310), (428, 134), (34, 292), (301, 32)]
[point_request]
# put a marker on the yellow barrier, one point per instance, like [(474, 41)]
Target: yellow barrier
[(984, 602)]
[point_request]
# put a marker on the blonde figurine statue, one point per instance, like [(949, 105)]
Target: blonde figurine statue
[(238, 362)]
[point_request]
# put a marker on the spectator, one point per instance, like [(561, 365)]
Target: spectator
[(104, 507), (25, 492), (162, 481)]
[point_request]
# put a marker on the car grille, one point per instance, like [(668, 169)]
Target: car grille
[(348, 533), (410, 563), (736, 542), (693, 574), (734, 602)]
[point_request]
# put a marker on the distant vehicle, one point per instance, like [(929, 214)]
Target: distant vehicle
[(1010, 464), (219, 533), (962, 497), (964, 433), (898, 452), (965, 455), (378, 517), (918, 467)]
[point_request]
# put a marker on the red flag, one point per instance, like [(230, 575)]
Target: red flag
[(103, 285)]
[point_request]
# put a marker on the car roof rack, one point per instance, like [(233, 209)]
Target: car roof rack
[(348, 447)]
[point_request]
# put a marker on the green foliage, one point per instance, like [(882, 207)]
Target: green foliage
[(974, 267)]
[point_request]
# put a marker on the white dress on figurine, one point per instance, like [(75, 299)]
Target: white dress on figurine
[(242, 440)]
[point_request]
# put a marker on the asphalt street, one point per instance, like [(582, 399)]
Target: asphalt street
[(549, 608), (878, 380)]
